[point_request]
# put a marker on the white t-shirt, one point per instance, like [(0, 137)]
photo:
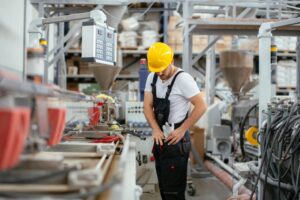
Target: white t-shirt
[(183, 89)]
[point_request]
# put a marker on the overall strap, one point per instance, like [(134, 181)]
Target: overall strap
[(171, 85), (153, 85)]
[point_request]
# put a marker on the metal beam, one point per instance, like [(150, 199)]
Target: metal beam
[(187, 38), (284, 23), (66, 38), (242, 27), (87, 2), (67, 18), (210, 44), (141, 10), (298, 69), (63, 50), (237, 3), (209, 11)]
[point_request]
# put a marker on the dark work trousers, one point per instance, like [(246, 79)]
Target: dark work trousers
[(171, 168)]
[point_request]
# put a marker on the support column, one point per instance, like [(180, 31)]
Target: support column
[(61, 63), (265, 86), (210, 78), (187, 39), (165, 23), (298, 69)]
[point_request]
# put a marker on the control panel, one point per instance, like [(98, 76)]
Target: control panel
[(99, 43), (135, 118)]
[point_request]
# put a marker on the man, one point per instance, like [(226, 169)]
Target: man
[(168, 93)]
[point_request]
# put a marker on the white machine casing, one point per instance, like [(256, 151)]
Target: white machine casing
[(99, 43)]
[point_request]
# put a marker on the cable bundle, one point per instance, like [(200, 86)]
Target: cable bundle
[(280, 142)]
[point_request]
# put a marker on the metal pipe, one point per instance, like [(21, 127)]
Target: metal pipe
[(224, 166), (32, 89), (228, 180)]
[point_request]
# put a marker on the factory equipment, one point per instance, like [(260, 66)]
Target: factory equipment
[(237, 67), (135, 119), (279, 137), (225, 138), (34, 163), (99, 44)]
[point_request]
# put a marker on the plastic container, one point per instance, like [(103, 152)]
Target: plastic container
[(14, 128), (56, 120), (128, 39), (148, 38), (143, 74), (94, 115), (130, 24)]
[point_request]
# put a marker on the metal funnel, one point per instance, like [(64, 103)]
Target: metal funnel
[(105, 75), (237, 67)]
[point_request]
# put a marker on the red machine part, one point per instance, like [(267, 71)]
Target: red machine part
[(14, 128), (57, 120), (94, 115), (107, 139)]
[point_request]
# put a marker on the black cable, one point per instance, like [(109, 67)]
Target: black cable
[(243, 126), (265, 143)]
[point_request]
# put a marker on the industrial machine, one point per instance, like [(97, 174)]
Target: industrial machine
[(58, 144), (223, 139), (34, 163), (265, 127)]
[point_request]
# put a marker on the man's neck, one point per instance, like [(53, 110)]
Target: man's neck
[(173, 71)]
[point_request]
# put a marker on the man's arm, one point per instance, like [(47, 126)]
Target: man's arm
[(149, 114), (198, 111)]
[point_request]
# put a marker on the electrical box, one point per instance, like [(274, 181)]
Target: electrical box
[(99, 43)]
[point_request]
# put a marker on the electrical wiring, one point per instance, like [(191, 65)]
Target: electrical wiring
[(280, 143), (243, 126)]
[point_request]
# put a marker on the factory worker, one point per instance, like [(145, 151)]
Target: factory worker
[(168, 94)]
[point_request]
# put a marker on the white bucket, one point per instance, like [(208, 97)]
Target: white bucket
[(128, 39), (130, 24), (149, 37)]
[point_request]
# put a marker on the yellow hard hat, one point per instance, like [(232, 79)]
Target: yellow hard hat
[(159, 56)]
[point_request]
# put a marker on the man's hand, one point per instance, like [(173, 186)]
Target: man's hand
[(175, 136), (158, 136)]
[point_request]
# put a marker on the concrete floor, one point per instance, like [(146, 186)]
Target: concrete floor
[(206, 189)]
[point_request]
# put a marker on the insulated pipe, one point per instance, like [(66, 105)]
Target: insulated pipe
[(225, 177), (224, 166)]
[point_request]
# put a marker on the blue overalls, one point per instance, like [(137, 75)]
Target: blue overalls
[(170, 160)]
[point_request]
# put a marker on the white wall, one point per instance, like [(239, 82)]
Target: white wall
[(12, 33)]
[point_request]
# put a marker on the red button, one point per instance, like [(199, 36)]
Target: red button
[(152, 158)]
